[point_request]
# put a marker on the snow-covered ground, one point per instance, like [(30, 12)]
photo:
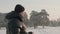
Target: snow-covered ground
[(39, 30)]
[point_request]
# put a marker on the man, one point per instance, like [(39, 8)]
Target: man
[(15, 19)]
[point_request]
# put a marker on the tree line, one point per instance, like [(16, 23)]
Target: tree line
[(36, 19)]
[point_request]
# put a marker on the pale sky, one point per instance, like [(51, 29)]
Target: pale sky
[(51, 6)]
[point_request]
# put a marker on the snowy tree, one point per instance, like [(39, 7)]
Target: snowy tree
[(44, 17)]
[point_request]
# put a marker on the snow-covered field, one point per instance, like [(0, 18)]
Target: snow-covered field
[(39, 30)]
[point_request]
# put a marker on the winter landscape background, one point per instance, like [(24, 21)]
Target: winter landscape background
[(41, 16), (39, 23)]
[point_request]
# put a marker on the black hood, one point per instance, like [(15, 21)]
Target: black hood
[(19, 8), (12, 15)]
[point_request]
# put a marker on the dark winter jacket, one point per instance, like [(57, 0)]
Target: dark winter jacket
[(14, 22)]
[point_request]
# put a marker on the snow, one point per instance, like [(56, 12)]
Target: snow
[(3, 31), (39, 30)]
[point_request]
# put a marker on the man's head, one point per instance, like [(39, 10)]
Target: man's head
[(19, 9)]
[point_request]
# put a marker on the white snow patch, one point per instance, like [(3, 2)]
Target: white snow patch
[(39, 30)]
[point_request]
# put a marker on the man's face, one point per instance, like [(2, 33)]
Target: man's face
[(22, 14)]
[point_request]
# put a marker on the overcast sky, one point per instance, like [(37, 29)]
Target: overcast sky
[(51, 6)]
